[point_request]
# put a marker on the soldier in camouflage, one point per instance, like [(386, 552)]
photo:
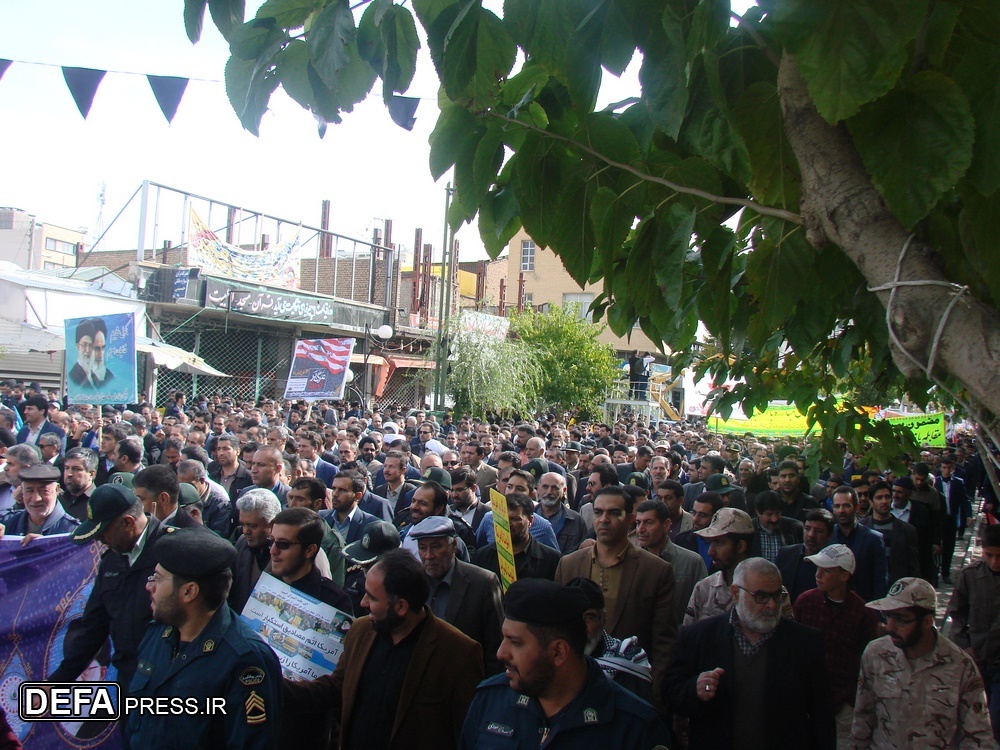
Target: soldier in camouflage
[(917, 689)]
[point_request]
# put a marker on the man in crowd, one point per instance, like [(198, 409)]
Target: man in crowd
[(227, 470), (731, 669), (532, 559), (217, 514), (871, 577), (702, 513), (638, 587), (396, 488), (257, 508), (218, 653), (462, 594), (670, 492), (79, 469), (956, 513), (158, 489), (567, 524), (798, 573), (43, 514), (379, 538), (917, 688), (474, 456), (118, 606), (797, 502), (18, 458), (345, 516), (652, 531), (975, 611), (36, 409), (847, 626), (405, 676), (924, 520), (729, 536), (295, 540), (265, 470), (771, 530), (900, 538), (551, 694), (464, 502), (308, 447)]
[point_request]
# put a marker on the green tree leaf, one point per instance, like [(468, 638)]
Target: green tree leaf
[(774, 171), (293, 73), (227, 15), (979, 76), (475, 52), (849, 51), (453, 126), (256, 38), (777, 271), (332, 41), (980, 226), (498, 220), (194, 17), (663, 77), (399, 35), (916, 143), (288, 14), (249, 87)]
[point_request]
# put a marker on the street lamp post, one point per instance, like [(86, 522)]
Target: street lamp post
[(372, 338)]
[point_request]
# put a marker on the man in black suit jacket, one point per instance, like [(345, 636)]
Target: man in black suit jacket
[(797, 573), (925, 520), (462, 594), (956, 513), (729, 670), (900, 537)]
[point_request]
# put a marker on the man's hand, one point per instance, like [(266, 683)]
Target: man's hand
[(707, 684), (2, 530), (936, 549), (27, 539), (587, 543)]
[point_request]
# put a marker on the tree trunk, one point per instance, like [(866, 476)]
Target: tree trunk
[(841, 205)]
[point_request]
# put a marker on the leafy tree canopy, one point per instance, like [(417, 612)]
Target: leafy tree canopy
[(577, 371), (851, 143), (487, 375)]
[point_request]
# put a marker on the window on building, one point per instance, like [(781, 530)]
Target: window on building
[(527, 255), (66, 248), (50, 244), (581, 302), (49, 265), (529, 298)]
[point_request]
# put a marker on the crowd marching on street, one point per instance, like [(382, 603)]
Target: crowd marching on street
[(674, 588)]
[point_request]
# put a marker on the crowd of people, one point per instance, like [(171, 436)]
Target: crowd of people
[(673, 587)]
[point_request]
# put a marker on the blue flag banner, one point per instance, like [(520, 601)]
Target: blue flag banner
[(43, 587)]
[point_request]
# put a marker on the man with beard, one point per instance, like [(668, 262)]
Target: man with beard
[(198, 649), (567, 524), (871, 572), (79, 374), (405, 678), (532, 559), (900, 537), (797, 572), (729, 536), (551, 695), (79, 470), (257, 508), (917, 688), (99, 372), (731, 669)]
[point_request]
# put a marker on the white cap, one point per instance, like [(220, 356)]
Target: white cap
[(834, 556)]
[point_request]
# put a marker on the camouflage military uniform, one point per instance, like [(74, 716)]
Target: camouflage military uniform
[(711, 596), (935, 701)]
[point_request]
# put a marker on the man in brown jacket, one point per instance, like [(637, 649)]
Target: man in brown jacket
[(405, 678), (638, 587)]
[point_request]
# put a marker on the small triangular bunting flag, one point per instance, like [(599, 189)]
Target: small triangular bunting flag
[(402, 110), (168, 91), (82, 84)]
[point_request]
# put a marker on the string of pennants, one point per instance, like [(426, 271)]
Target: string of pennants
[(169, 90)]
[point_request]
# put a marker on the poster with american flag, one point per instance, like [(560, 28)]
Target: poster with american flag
[(319, 369)]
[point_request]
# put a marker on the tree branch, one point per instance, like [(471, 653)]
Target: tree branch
[(778, 213), (755, 35), (841, 205)]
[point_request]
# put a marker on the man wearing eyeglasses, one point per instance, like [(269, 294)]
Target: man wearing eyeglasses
[(731, 670), (917, 688), (294, 541)]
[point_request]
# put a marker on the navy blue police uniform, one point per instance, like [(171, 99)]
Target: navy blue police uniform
[(604, 715)]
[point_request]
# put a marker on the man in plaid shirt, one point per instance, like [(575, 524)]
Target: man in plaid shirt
[(846, 623)]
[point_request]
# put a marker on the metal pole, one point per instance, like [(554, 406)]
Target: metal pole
[(197, 350), (140, 250), (364, 374), (256, 386), (440, 354)]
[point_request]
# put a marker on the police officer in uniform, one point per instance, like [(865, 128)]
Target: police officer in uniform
[(118, 605), (551, 695), (200, 651), (379, 537)]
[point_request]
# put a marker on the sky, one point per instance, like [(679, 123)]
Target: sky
[(56, 164)]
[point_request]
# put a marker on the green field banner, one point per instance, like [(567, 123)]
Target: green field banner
[(928, 429)]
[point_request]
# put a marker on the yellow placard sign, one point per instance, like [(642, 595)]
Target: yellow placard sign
[(928, 429), (501, 531)]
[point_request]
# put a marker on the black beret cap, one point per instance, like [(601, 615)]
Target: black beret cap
[(194, 554), (105, 505), (590, 589), (538, 601)]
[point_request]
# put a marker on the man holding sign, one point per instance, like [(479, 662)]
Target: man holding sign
[(532, 559)]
